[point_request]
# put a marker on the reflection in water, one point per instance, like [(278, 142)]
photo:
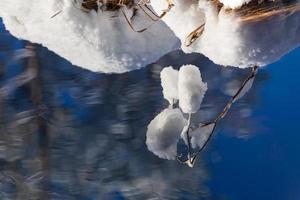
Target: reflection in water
[(169, 80), (54, 147), (70, 134), (206, 130), (163, 131), (166, 128)]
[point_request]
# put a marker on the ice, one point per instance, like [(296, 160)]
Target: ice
[(169, 82), (164, 132), (99, 41), (191, 88)]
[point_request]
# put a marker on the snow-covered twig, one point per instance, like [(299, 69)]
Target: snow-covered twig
[(241, 91)]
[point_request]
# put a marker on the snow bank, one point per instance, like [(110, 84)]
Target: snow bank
[(169, 81), (164, 132), (183, 18), (191, 89), (103, 43), (229, 41), (95, 41)]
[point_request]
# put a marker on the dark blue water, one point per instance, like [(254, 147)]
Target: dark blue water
[(67, 133)]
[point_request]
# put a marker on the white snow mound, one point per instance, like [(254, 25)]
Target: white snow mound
[(229, 41), (191, 88), (99, 41)]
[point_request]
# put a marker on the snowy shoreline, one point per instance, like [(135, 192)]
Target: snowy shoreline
[(103, 41), (94, 41)]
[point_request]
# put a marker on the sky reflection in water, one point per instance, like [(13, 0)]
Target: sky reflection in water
[(72, 134)]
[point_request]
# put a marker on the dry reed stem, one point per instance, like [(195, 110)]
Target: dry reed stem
[(267, 11)]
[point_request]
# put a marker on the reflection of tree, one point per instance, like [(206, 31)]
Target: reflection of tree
[(110, 153), (84, 138), (21, 166), (36, 95)]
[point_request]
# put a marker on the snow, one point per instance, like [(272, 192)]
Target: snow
[(183, 18), (94, 41), (191, 88), (102, 43), (229, 41), (169, 81), (164, 132), (234, 4)]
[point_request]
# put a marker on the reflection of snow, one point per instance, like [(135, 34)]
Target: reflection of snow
[(163, 133), (191, 89), (169, 81), (166, 128), (95, 41), (229, 41)]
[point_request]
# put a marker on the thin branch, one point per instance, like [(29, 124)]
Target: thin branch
[(233, 99)]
